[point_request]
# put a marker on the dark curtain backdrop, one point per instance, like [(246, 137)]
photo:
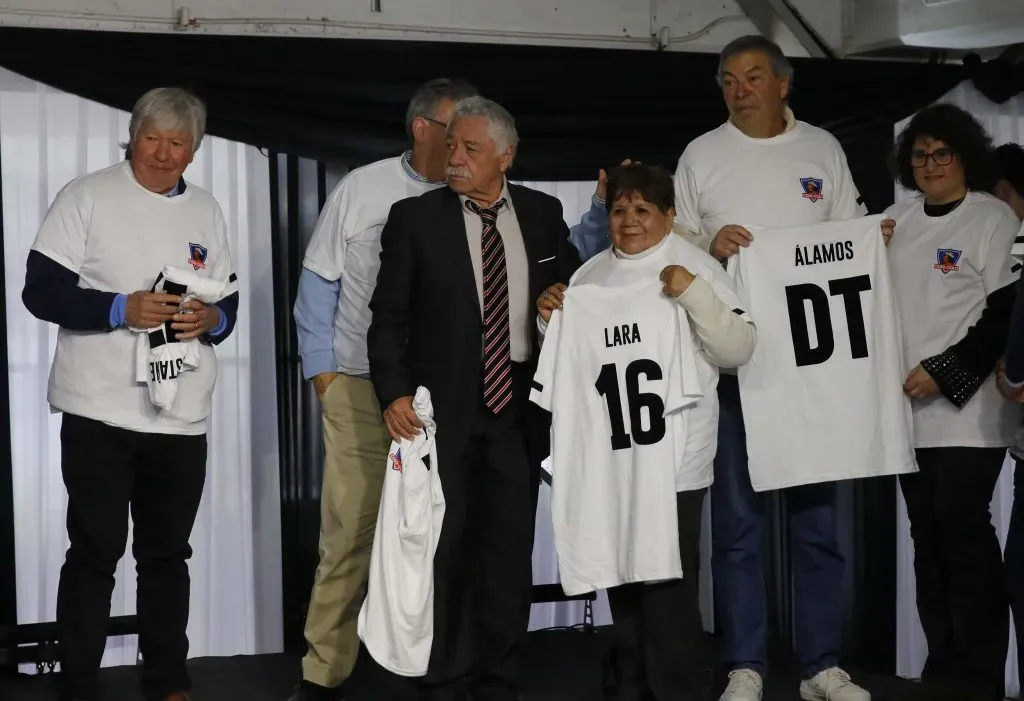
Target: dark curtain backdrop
[(577, 109), (310, 102)]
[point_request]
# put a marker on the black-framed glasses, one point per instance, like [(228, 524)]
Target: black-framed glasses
[(942, 156), (443, 125)]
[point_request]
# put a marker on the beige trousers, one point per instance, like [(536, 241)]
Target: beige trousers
[(356, 446)]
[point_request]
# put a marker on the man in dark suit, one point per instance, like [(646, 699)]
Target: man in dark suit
[(454, 311)]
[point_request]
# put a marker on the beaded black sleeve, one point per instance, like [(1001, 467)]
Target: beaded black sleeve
[(957, 382)]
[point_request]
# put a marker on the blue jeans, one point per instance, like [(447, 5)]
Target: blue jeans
[(1014, 559), (737, 514)]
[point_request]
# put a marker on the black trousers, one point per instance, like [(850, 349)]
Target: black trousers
[(961, 582), (483, 566), (659, 649), (159, 478)]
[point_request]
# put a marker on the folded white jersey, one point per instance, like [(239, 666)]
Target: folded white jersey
[(160, 357)]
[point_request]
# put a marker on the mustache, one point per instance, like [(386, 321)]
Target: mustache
[(456, 172)]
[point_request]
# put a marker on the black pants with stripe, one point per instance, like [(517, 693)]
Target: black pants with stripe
[(659, 650), (158, 478)]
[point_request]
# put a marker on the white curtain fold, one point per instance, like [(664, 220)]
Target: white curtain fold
[(1005, 123), (47, 138)]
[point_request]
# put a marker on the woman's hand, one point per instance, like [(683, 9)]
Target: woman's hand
[(919, 384), (550, 300), (677, 279), (888, 229)]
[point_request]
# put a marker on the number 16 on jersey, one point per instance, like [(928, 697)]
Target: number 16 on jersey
[(608, 386)]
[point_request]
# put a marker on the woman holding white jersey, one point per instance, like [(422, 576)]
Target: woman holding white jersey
[(955, 290), (659, 639)]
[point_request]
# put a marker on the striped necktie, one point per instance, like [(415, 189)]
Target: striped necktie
[(497, 383)]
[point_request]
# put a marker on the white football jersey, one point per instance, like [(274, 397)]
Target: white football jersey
[(612, 268), (396, 622), (616, 368), (823, 393), (160, 358)]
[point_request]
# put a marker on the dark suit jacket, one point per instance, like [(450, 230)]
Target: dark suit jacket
[(427, 328)]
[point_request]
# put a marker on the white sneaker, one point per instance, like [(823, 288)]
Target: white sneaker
[(744, 685), (833, 684)]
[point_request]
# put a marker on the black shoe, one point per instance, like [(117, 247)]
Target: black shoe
[(308, 691)]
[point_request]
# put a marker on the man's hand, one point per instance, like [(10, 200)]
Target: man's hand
[(322, 381), (919, 384), (602, 180), (195, 319), (401, 420), (147, 310), (677, 279), (729, 240), (550, 300), (888, 228)]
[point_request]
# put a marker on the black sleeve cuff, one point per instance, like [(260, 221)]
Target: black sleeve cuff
[(957, 382)]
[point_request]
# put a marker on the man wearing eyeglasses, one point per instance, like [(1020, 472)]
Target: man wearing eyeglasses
[(332, 317)]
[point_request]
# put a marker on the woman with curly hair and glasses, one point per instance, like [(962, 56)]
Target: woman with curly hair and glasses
[(952, 273)]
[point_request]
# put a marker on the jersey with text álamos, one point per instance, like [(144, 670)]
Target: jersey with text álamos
[(823, 393)]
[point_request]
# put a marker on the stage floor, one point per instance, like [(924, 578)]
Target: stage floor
[(560, 666)]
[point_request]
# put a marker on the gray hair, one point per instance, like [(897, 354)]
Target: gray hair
[(781, 66), (172, 109), (503, 126), (425, 101)]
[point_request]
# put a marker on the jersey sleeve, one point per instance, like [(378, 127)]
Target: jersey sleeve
[(846, 202), (325, 254), (675, 393), (723, 286), (222, 267), (65, 230), (1000, 268), (542, 388), (1018, 249)]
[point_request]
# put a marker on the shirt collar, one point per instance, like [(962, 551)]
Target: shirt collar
[(411, 172), (502, 196), (787, 115)]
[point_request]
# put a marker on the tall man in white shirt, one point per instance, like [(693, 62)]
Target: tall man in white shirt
[(332, 317), (764, 168)]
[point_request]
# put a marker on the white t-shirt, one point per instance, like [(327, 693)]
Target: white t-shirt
[(117, 236), (615, 370), (346, 246), (396, 621), (823, 393), (943, 270), (612, 269), (798, 177)]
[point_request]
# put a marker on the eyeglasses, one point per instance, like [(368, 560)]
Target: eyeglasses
[(942, 157), (443, 125)]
